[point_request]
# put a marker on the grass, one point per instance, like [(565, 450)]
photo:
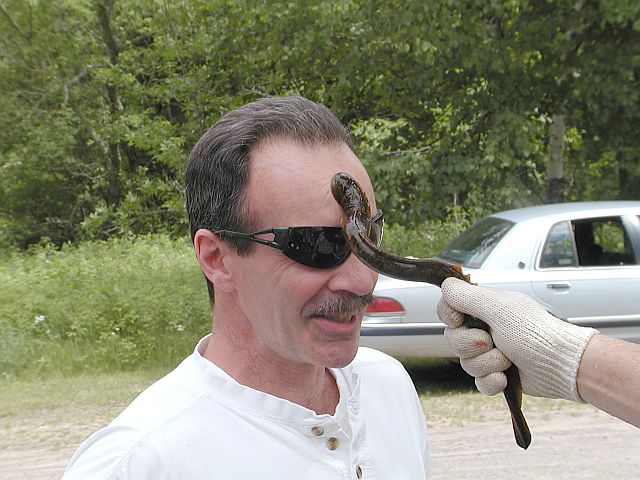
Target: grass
[(449, 396), (24, 396), (59, 412)]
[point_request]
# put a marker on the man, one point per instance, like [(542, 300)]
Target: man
[(274, 391)]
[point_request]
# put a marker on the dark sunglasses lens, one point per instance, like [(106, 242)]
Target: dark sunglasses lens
[(324, 247), (318, 247)]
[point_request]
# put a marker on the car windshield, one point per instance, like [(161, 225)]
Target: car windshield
[(473, 246)]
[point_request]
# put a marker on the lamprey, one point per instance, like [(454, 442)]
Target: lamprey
[(356, 225)]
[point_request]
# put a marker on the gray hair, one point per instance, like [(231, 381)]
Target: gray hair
[(218, 166)]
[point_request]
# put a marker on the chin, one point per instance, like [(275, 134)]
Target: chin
[(342, 359)]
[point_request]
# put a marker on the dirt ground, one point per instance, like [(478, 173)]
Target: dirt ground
[(576, 442), (571, 442)]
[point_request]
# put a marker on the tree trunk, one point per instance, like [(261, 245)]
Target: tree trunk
[(113, 157), (555, 168)]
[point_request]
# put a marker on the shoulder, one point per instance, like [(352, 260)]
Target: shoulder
[(165, 405)]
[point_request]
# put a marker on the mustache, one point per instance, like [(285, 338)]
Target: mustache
[(343, 304)]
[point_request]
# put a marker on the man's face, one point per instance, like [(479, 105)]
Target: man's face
[(290, 185)]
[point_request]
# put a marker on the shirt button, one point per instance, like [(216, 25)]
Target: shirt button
[(332, 443), (317, 431), (358, 472)]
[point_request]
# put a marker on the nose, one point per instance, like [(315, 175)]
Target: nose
[(353, 276)]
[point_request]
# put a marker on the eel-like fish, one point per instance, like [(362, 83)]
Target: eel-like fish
[(357, 222)]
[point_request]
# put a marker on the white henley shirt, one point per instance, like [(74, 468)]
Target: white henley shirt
[(198, 423)]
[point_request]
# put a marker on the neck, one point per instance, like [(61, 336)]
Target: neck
[(311, 386)]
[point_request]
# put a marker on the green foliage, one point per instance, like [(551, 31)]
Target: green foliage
[(427, 238), (101, 306), (450, 101)]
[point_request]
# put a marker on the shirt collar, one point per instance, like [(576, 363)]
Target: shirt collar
[(224, 388)]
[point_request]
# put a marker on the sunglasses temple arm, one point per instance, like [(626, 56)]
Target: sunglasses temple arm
[(275, 243)]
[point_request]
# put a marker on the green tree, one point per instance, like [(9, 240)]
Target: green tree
[(482, 105)]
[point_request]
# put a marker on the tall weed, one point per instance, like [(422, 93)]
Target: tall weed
[(100, 305), (427, 238)]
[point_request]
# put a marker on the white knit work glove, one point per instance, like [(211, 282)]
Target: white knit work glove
[(545, 349)]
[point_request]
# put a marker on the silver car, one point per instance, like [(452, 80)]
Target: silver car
[(581, 261)]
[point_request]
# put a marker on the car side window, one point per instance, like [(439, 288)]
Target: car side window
[(602, 242), (559, 249)]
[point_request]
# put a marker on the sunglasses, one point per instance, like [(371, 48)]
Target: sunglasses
[(317, 247)]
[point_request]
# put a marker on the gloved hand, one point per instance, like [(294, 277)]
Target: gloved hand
[(545, 349)]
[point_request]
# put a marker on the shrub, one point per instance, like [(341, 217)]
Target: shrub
[(426, 239), (101, 305)]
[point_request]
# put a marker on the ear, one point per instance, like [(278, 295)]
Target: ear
[(211, 252)]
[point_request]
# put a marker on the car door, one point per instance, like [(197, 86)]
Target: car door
[(588, 273)]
